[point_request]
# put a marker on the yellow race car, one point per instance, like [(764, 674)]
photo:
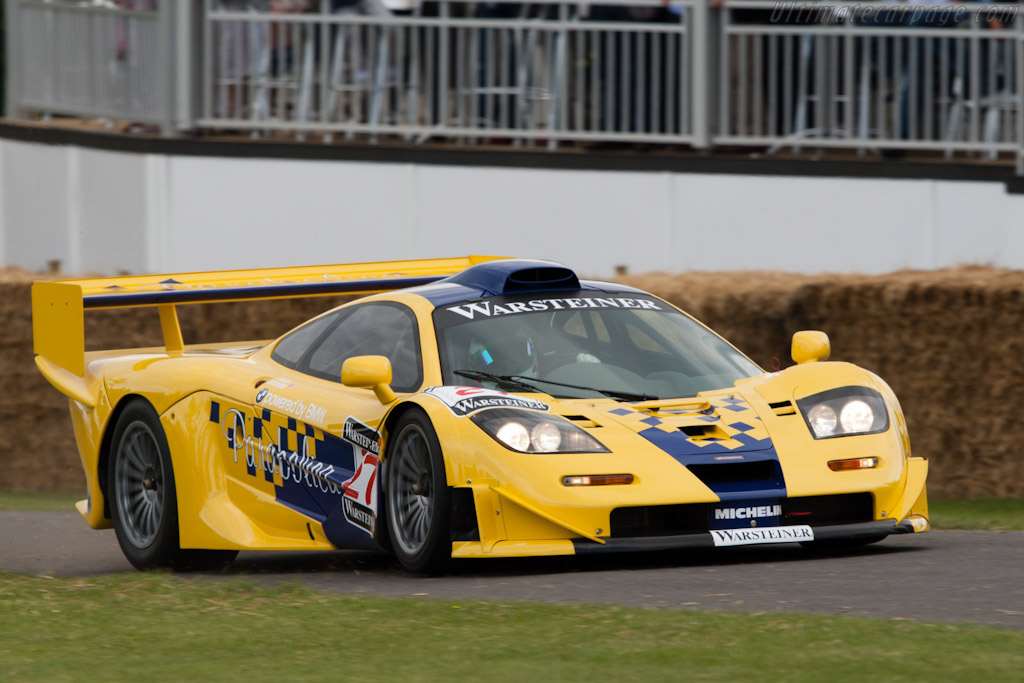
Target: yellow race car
[(466, 408)]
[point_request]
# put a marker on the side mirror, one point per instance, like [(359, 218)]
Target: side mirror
[(810, 346), (369, 372)]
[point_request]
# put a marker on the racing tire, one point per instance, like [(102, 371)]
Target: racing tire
[(143, 498), (418, 502)]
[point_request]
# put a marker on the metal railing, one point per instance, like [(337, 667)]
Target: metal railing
[(90, 60), (912, 77), (866, 76), (546, 72)]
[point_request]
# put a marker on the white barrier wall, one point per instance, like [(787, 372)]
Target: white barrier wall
[(110, 212)]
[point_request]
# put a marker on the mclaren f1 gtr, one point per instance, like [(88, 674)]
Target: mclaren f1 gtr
[(466, 408)]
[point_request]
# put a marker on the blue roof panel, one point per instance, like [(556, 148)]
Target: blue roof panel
[(510, 276)]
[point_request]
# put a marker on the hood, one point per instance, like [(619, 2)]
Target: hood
[(700, 426), (719, 439)]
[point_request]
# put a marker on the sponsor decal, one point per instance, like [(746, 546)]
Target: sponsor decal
[(362, 435), (360, 501), (745, 514), (293, 406), (752, 512), (778, 534), (358, 515), (488, 309), (327, 478), (274, 458), (464, 401)]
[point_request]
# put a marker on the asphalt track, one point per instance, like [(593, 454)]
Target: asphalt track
[(955, 576)]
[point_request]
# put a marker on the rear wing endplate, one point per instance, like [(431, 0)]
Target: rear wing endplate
[(58, 307)]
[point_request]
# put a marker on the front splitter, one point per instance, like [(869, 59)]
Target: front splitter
[(704, 540)]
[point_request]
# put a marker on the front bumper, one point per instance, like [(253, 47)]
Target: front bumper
[(834, 532)]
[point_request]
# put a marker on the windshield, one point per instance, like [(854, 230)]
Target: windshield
[(590, 345)]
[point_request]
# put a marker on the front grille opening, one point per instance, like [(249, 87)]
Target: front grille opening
[(846, 508), (693, 518), (659, 520), (735, 472), (463, 524)]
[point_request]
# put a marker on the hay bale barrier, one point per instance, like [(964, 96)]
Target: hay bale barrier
[(949, 342)]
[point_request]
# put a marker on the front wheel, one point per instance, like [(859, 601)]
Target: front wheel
[(143, 498), (417, 496)]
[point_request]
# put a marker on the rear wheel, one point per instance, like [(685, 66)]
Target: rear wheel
[(143, 497), (417, 496)]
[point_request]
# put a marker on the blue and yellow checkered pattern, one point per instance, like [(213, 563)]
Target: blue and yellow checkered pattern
[(731, 427)]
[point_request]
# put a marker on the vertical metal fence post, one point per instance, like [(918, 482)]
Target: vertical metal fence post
[(206, 62), (442, 69), (560, 101), (184, 77), (13, 60), (724, 105), (324, 59), (701, 38), (1019, 21), (974, 75), (166, 86)]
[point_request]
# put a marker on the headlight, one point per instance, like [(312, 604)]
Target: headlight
[(822, 420), (844, 412), (527, 431), (514, 435), (856, 417)]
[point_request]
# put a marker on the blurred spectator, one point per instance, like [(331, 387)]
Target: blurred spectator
[(621, 61), (990, 71), (369, 8), (282, 39), (237, 42), (912, 95), (788, 53), (126, 67)]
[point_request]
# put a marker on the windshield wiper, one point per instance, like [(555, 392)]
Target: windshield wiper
[(523, 382), (611, 393), (507, 380)]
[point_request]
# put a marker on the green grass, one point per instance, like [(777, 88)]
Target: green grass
[(983, 513), (25, 500), (162, 627)]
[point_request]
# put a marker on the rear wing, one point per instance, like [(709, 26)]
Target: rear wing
[(58, 307)]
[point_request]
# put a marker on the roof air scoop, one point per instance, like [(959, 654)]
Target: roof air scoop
[(510, 276), (549, 277)]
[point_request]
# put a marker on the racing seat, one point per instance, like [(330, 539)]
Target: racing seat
[(512, 355)]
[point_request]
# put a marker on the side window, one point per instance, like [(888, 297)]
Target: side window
[(380, 329), (290, 350)]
